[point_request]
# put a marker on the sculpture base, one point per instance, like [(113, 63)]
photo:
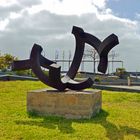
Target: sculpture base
[(68, 104)]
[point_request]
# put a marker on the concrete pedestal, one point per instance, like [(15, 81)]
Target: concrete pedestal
[(68, 104)]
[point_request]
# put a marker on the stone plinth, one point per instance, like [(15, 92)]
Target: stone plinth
[(68, 104)]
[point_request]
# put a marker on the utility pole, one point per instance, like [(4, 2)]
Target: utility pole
[(69, 57), (63, 57), (113, 55), (56, 55), (108, 68), (94, 61), (82, 63)]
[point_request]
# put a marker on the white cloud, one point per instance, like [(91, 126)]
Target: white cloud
[(3, 24), (69, 7), (14, 15), (7, 2)]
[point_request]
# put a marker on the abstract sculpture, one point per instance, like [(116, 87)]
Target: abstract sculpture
[(54, 79)]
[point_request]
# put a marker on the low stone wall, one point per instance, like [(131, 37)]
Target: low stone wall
[(68, 104), (16, 77)]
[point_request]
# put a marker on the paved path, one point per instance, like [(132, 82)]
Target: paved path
[(118, 88)]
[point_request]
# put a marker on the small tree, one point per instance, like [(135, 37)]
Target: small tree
[(92, 53), (2, 62), (6, 61), (9, 59), (121, 72)]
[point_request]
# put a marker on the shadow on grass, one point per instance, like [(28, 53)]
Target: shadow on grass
[(113, 132), (50, 122)]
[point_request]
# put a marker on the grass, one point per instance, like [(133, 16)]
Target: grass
[(118, 120)]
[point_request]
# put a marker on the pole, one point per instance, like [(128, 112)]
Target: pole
[(63, 59), (113, 55), (108, 68), (94, 65), (69, 57), (122, 64), (94, 60), (82, 66)]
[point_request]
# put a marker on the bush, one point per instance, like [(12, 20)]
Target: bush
[(23, 73), (121, 72), (97, 79)]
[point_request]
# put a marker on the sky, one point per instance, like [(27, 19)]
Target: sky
[(49, 24)]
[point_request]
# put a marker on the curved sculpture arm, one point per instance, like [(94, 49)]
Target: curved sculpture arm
[(55, 78), (80, 85), (44, 62), (102, 48), (35, 63), (26, 64), (21, 65), (93, 41), (107, 44), (79, 50), (74, 85), (54, 72)]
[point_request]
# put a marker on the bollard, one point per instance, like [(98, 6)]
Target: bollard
[(128, 81)]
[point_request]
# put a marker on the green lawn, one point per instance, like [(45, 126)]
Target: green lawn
[(118, 120)]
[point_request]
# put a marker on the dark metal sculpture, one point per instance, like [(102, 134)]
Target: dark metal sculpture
[(54, 79)]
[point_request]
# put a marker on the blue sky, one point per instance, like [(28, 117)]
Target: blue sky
[(49, 23), (125, 8)]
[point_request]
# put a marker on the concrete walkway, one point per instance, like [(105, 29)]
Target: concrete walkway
[(118, 88)]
